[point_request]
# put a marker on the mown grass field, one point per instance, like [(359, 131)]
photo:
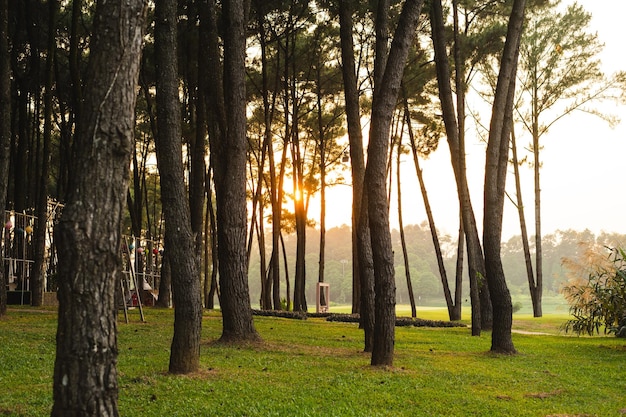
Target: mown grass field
[(317, 368)]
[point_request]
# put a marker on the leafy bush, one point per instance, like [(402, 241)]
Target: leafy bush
[(596, 292)]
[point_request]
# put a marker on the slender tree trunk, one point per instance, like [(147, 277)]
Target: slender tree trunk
[(213, 290), (89, 233), (206, 247), (271, 292), (198, 167), (366, 272), (21, 149), (299, 298), (199, 146), (263, 269), (74, 59), (362, 262), (287, 285), (405, 255), (322, 166), (537, 289), (522, 220), (299, 287), (460, 82), (5, 132), (39, 271), (457, 152), (229, 159), (458, 288), (431, 219), (495, 181), (385, 96), (179, 240), (135, 206)]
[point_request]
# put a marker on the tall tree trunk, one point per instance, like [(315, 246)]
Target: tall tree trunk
[(89, 233), (322, 166), (385, 97), (299, 297), (458, 279), (299, 287), (74, 59), (495, 181), (457, 153), (5, 132), (263, 270), (229, 156), (362, 262), (271, 285), (211, 87), (276, 180), (179, 240), (474, 249), (21, 149), (198, 166), (461, 87), (39, 271), (211, 236), (287, 285), (135, 205), (537, 289), (405, 255), (522, 219)]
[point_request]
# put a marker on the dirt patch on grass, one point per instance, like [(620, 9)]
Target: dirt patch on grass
[(621, 348), (531, 333), (542, 395), (309, 350)]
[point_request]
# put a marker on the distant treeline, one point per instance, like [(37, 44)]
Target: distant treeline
[(423, 264)]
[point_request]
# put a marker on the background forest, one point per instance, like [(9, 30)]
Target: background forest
[(558, 246)]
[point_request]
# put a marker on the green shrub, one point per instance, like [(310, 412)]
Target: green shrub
[(596, 292)]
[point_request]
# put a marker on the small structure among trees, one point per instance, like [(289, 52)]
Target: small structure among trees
[(142, 261), (142, 258), (18, 254)]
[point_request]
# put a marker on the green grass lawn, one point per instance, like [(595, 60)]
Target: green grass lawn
[(317, 368)]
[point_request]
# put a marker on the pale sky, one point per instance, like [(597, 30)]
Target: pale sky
[(584, 165)]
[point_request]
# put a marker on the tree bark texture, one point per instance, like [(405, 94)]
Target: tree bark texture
[(89, 233), (495, 180), (179, 240), (230, 182), (384, 101), (5, 130)]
